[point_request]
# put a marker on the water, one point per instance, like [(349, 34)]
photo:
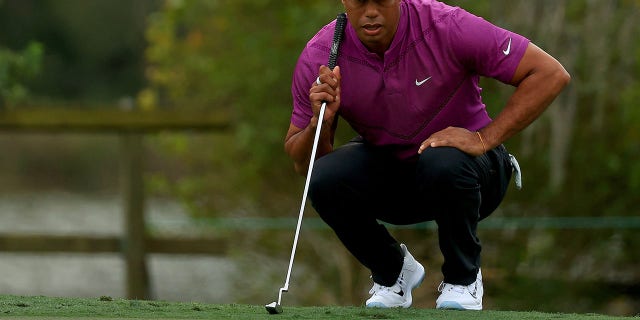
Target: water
[(173, 277)]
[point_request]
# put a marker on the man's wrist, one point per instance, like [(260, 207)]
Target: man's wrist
[(313, 123)]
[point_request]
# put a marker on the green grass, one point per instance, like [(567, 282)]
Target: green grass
[(18, 307)]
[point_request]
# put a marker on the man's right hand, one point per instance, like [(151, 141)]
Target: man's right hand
[(329, 91), (299, 141)]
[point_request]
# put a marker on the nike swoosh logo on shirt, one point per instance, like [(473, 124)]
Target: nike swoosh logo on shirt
[(508, 50), (419, 83)]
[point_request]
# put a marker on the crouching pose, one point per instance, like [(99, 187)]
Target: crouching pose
[(427, 150)]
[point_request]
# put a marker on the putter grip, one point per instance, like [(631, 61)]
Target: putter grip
[(341, 22)]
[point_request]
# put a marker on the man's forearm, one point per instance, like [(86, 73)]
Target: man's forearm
[(299, 145), (534, 93)]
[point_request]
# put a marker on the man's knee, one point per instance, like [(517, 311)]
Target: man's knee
[(321, 182), (445, 167), (333, 172)]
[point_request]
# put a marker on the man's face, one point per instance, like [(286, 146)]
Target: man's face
[(375, 21)]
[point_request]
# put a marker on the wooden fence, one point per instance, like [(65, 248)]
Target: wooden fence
[(131, 127)]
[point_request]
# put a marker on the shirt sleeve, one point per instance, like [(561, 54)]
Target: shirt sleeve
[(484, 48), (303, 77)]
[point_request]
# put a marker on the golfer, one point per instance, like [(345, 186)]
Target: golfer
[(427, 150)]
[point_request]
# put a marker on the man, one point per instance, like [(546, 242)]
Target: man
[(407, 82)]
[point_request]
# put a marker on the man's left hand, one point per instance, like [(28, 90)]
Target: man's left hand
[(466, 141)]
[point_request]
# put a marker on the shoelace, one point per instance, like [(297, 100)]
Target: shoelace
[(459, 288), (376, 287)]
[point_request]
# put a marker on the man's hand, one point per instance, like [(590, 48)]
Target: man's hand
[(328, 90), (299, 141), (466, 141)]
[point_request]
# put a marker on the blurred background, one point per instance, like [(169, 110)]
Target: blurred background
[(567, 242)]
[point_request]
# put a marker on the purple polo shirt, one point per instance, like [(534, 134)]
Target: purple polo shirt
[(426, 82)]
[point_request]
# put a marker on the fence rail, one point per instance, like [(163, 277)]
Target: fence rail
[(107, 244), (111, 120), (131, 127), (491, 223)]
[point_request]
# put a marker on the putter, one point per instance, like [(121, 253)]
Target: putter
[(276, 307)]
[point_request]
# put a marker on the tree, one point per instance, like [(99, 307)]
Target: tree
[(15, 69), (94, 49)]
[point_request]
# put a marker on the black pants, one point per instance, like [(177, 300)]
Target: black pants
[(358, 184)]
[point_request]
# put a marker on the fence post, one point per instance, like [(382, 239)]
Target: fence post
[(137, 278)]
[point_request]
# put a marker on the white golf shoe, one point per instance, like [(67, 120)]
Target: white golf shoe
[(460, 297), (398, 295)]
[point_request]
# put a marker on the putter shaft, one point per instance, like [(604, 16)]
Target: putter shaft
[(314, 149)]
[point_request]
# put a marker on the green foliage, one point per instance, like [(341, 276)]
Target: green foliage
[(237, 56), (94, 49), (15, 69), (630, 134)]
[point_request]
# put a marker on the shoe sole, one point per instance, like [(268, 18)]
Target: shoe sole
[(452, 305), (377, 305)]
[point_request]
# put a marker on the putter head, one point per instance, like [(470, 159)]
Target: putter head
[(273, 308)]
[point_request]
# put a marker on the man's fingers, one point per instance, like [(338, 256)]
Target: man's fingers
[(328, 76), (328, 79), (432, 143), (426, 144), (326, 88), (462, 139), (318, 96)]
